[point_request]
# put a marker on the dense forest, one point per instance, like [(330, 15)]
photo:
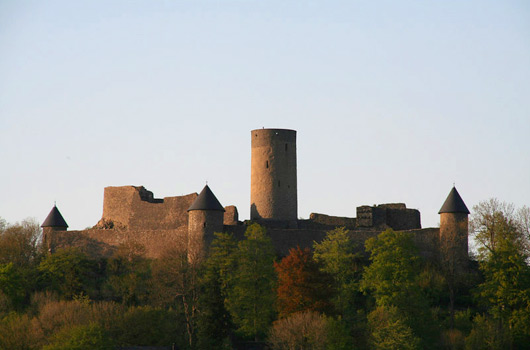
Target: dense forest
[(241, 294)]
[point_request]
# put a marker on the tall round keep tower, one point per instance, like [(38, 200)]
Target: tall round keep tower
[(273, 192)]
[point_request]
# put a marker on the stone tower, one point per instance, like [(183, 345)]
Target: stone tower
[(273, 192), (205, 216), (454, 228), (53, 222)]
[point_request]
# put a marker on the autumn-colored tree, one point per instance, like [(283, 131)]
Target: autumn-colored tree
[(302, 286)]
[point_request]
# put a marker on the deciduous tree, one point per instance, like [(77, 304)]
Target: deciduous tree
[(302, 286), (251, 297), (337, 257)]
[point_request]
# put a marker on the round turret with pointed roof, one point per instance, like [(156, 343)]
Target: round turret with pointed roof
[(54, 219), (206, 201), (454, 203)]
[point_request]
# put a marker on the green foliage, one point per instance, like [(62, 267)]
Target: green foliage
[(128, 274), (393, 280), (487, 334), (338, 335), (19, 254), (391, 277), (15, 332), (69, 272), (214, 323), (85, 337), (337, 257), (251, 297), (505, 291), (19, 243), (389, 330), (222, 258), (145, 325), (11, 284)]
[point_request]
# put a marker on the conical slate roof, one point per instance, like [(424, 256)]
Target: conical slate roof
[(206, 201), (454, 204), (54, 219)]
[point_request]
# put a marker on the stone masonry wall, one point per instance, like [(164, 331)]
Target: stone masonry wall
[(135, 208), (100, 243), (273, 193)]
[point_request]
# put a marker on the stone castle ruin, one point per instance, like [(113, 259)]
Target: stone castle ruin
[(131, 214)]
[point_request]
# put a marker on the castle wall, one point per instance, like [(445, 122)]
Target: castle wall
[(135, 208), (394, 215), (100, 243), (284, 239), (403, 219), (273, 193), (322, 221)]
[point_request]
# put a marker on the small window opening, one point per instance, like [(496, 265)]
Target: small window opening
[(278, 183), (204, 225), (285, 147), (267, 164)]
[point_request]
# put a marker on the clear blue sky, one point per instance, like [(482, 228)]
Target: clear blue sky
[(393, 101)]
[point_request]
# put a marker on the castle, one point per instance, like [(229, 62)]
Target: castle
[(133, 214)]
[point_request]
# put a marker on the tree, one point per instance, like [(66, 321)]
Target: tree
[(85, 337), (128, 272), (503, 261), (175, 284), (214, 323), (19, 243), (389, 331), (301, 284), (303, 330), (146, 326), (337, 257), (15, 332), (493, 222), (19, 255), (392, 278), (251, 297), (69, 272), (11, 284)]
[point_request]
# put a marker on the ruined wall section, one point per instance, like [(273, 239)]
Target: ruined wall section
[(393, 215), (327, 222), (135, 208)]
